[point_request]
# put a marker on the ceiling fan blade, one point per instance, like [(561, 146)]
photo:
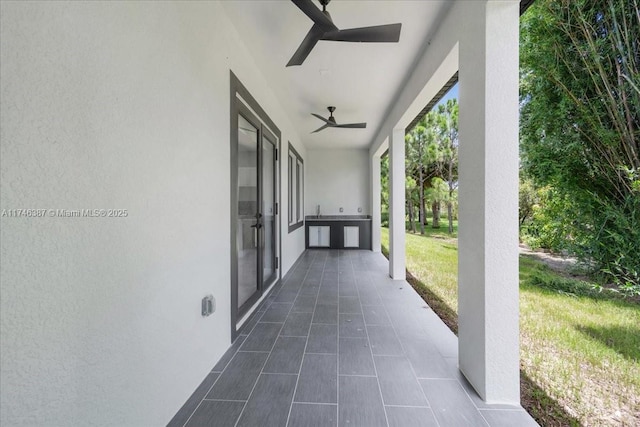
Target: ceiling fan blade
[(322, 118), (315, 14), (306, 46), (323, 127), (378, 34), (352, 126)]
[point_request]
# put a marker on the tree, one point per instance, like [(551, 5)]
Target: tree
[(432, 151), (528, 199), (447, 121), (580, 124), (384, 189), (410, 187), (418, 141), (437, 193)]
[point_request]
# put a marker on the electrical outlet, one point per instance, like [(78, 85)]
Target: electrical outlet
[(208, 305)]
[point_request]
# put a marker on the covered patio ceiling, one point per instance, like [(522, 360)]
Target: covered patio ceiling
[(360, 79)]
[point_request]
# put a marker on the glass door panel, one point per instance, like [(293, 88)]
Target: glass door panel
[(247, 231), (268, 244)]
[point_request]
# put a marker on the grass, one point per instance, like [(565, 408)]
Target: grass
[(580, 348)]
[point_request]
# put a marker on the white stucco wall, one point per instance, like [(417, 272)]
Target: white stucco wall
[(117, 106), (337, 178)]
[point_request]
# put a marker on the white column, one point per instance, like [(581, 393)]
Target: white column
[(376, 220), (396, 205), (488, 234)]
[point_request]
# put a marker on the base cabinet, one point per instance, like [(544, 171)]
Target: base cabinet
[(338, 234)]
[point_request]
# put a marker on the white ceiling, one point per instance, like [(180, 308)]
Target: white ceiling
[(359, 79)]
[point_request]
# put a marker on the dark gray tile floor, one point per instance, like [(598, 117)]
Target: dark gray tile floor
[(338, 343)]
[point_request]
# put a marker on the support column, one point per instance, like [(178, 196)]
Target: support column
[(488, 233), (376, 218), (396, 205)]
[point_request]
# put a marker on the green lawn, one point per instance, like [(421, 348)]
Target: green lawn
[(580, 350)]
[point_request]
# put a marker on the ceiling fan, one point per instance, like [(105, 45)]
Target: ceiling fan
[(324, 29), (331, 122)]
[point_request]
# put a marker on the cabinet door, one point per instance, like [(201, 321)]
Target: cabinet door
[(325, 236), (351, 236), (319, 236), (314, 236)]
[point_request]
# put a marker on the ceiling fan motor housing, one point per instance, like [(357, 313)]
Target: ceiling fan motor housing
[(331, 118)]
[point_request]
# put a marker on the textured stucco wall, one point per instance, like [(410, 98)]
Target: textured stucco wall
[(116, 106), (338, 178)]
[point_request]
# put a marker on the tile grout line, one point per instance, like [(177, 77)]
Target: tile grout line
[(209, 390), (261, 369), (464, 389), (384, 409), (337, 342), (404, 354), (338, 350), (393, 326), (407, 406), (216, 381), (316, 403), (457, 380), (295, 388)]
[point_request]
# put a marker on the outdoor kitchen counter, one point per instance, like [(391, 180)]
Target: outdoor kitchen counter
[(338, 231)]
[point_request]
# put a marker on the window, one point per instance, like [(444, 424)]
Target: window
[(296, 189)]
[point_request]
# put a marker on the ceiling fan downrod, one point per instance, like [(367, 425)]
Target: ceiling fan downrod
[(331, 118)]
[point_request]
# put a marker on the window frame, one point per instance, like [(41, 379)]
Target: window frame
[(295, 187)]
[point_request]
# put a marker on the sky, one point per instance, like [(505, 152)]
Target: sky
[(453, 93)]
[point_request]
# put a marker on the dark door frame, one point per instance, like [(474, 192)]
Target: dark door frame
[(239, 96)]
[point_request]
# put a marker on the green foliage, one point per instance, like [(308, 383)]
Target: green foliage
[(384, 183), (527, 201), (438, 190), (384, 219), (580, 130), (617, 246), (551, 221), (572, 287), (410, 188), (432, 157)]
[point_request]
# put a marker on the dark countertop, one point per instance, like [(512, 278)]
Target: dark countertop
[(338, 218)]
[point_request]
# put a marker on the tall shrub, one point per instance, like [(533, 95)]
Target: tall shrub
[(580, 124)]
